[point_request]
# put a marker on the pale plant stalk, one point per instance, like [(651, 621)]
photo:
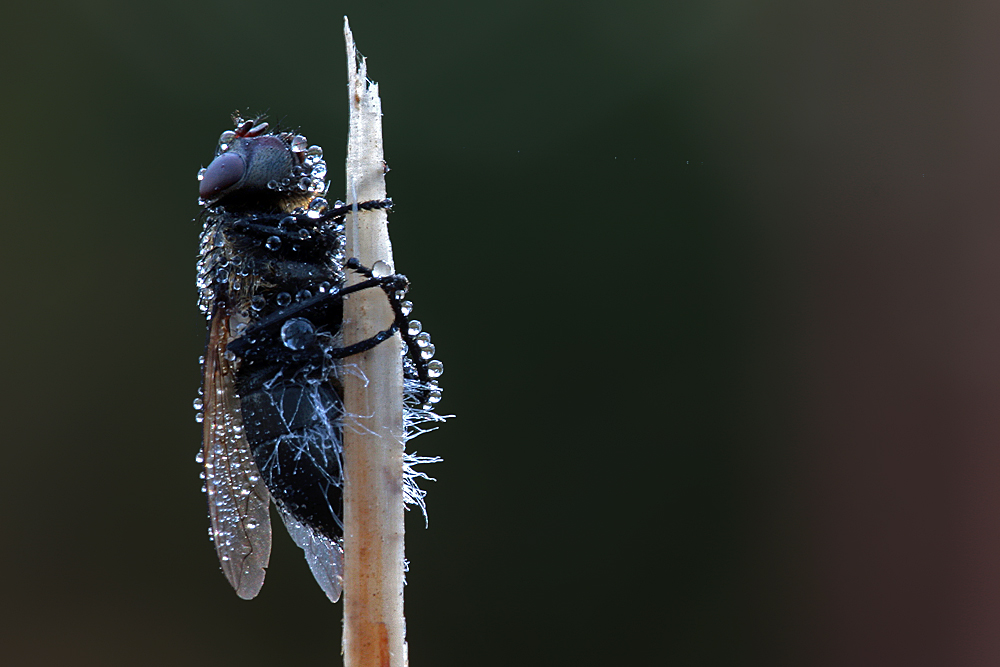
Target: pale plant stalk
[(374, 627)]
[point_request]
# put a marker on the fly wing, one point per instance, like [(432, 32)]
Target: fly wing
[(325, 556), (237, 498)]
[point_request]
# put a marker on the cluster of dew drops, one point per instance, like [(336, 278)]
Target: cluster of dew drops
[(435, 367)]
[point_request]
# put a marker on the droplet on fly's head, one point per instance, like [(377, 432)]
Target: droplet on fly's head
[(315, 151), (283, 299), (299, 144), (324, 287), (380, 269), (287, 220), (297, 333), (272, 243), (406, 307)]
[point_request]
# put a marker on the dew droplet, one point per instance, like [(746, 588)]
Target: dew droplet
[(272, 243), (315, 151), (283, 299), (287, 220), (435, 368), (324, 287), (303, 295), (297, 333), (423, 339), (380, 269), (414, 327), (199, 457), (427, 352), (272, 184), (406, 307), (257, 303), (198, 404), (199, 417)]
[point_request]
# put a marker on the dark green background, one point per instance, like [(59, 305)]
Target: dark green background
[(714, 283)]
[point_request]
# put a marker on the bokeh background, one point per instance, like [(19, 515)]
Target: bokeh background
[(716, 287)]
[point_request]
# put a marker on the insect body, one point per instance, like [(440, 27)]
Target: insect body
[(271, 275)]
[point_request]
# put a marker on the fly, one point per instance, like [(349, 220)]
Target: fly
[(271, 281)]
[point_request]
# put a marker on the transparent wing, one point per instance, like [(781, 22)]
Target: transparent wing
[(237, 498), (325, 556)]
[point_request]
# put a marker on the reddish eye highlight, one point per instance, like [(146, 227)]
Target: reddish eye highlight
[(225, 171)]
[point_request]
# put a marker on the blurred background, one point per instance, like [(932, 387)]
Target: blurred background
[(715, 284)]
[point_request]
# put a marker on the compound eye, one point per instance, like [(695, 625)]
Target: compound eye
[(224, 172)]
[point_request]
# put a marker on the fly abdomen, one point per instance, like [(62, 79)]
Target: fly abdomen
[(292, 414), (294, 431)]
